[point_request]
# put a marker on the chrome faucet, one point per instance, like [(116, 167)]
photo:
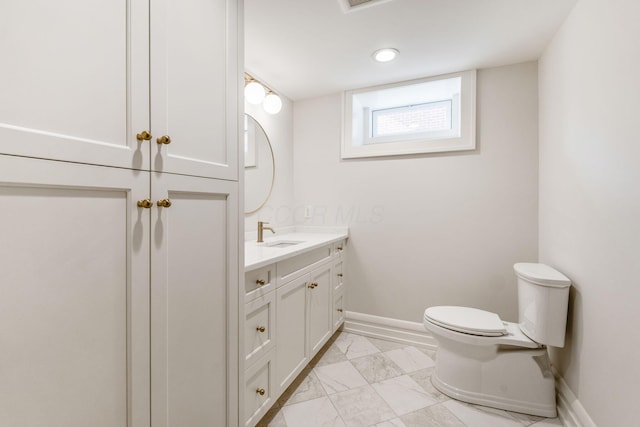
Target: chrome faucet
[(261, 229)]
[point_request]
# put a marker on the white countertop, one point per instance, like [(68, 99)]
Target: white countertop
[(258, 255)]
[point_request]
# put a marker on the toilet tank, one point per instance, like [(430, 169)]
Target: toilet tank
[(543, 298)]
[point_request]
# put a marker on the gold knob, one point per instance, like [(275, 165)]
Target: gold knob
[(165, 203), (339, 274), (146, 203), (313, 285), (339, 248), (260, 282), (340, 310), (260, 391), (164, 139), (143, 136), (260, 329)]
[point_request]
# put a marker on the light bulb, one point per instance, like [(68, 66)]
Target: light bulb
[(254, 93), (385, 55), (272, 104)]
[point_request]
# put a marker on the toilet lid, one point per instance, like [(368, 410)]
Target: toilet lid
[(467, 320)]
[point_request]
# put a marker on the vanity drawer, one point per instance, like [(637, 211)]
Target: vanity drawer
[(338, 310), (259, 391), (339, 247), (259, 327), (259, 282), (293, 268)]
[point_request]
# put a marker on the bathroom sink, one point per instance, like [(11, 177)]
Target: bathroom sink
[(283, 243)]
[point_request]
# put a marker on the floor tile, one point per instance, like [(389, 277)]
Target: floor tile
[(548, 422), (477, 416), (384, 345), (376, 367), (396, 422), (312, 413), (277, 421), (410, 359), (361, 407), (403, 394), (309, 388), (423, 378), (339, 377), (355, 345), (432, 416), (332, 355)]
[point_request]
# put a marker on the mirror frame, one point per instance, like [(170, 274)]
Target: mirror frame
[(273, 163)]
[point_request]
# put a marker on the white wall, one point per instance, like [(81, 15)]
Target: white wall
[(590, 200), (279, 129), (430, 229)]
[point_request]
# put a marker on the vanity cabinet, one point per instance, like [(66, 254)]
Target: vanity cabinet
[(80, 92), (302, 300)]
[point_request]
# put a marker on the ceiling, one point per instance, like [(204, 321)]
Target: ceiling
[(308, 48)]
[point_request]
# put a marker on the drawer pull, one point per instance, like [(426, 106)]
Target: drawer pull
[(260, 391), (339, 274), (260, 329), (260, 282), (313, 285), (164, 203), (340, 310), (339, 248)]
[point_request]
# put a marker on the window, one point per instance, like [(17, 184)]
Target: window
[(420, 116)]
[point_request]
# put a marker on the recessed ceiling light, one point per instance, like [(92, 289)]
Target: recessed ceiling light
[(385, 55)]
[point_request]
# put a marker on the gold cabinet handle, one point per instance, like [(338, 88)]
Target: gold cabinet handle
[(146, 203), (339, 274), (340, 310), (313, 285), (260, 391), (165, 203), (339, 248), (143, 136), (260, 282), (261, 329), (164, 139)]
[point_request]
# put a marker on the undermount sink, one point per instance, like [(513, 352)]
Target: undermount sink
[(283, 243)]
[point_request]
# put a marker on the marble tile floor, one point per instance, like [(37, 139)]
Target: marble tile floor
[(357, 381)]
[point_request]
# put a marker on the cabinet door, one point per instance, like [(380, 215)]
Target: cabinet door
[(194, 301), (319, 308), (74, 295), (74, 80), (195, 86), (291, 331)]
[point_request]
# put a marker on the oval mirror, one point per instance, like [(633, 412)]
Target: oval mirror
[(259, 165)]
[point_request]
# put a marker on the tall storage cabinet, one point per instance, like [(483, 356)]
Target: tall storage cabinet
[(119, 213)]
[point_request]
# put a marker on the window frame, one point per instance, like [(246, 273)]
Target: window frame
[(357, 122)]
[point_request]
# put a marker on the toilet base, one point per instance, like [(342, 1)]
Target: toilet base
[(503, 377)]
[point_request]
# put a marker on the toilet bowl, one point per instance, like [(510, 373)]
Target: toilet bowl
[(484, 360)]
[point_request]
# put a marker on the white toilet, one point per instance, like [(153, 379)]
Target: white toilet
[(484, 360)]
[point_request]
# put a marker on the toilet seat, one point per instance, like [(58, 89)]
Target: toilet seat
[(466, 320)]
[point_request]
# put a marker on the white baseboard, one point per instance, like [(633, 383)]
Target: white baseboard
[(570, 410), (402, 331)]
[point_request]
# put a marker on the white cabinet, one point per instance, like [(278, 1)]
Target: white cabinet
[(291, 331), (74, 305), (192, 268), (319, 307), (79, 91), (301, 293), (115, 313)]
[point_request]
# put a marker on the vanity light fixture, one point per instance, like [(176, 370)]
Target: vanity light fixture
[(385, 55), (256, 92)]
